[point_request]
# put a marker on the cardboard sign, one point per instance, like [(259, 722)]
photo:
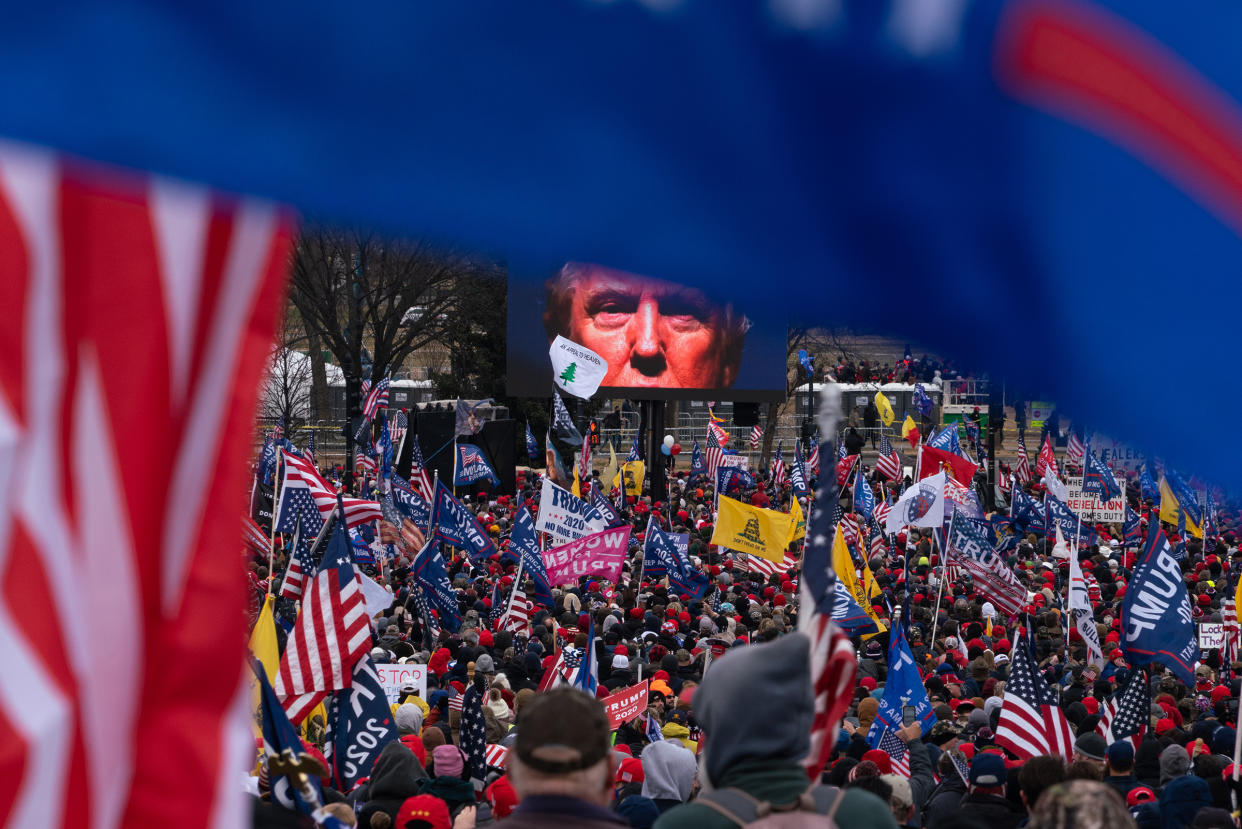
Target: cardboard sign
[(736, 460), (598, 554), (392, 677), (624, 706), (1090, 508), (1211, 635)]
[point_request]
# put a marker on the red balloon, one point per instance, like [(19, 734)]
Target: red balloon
[(676, 449)]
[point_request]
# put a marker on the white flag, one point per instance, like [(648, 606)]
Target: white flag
[(922, 505), (1053, 484), (1080, 608), (576, 369)]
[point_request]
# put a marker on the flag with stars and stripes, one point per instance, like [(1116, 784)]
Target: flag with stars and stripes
[(833, 662), (309, 451), (330, 634), (1031, 720), (1126, 715), (1022, 469), (473, 740), (377, 398), (1074, 449), (888, 463), (298, 472), (420, 481), (756, 435), (399, 423), (635, 451), (257, 540), (778, 468), (812, 458), (881, 513), (714, 452), (301, 561), (295, 502), (897, 752), (1231, 627)]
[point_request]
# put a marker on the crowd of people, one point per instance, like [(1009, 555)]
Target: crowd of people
[(729, 710)]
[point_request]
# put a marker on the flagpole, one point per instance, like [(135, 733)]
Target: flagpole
[(271, 541), (944, 571)]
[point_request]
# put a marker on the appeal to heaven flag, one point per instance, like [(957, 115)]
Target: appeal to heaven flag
[(747, 529), (577, 370), (887, 415)]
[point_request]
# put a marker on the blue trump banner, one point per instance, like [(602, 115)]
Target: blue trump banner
[(524, 545), (1060, 515), (456, 525), (472, 465), (903, 687), (432, 576), (1156, 613), (849, 614), (359, 724)]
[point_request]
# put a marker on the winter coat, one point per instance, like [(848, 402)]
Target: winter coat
[(990, 810), (944, 801), (780, 782), (542, 811), (397, 775)]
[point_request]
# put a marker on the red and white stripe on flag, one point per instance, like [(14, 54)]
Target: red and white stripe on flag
[(138, 316), (330, 635), (833, 668), (301, 472), (496, 756)]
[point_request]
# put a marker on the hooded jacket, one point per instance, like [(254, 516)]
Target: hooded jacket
[(395, 777), (755, 707), (668, 774)]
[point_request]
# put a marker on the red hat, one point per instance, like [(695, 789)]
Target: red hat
[(502, 797), (867, 682), (1139, 794), (1091, 704), (769, 592), (630, 771), (684, 616), (1219, 693), (485, 638), (779, 601), (881, 758), (431, 810), (1165, 724)]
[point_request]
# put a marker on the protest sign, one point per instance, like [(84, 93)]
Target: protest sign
[(1211, 635), (735, 460), (1088, 506), (598, 554), (625, 705), (392, 677)]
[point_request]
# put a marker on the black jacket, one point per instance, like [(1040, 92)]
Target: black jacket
[(991, 810), (395, 777)]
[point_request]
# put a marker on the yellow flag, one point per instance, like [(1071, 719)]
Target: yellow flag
[(576, 488), (797, 524), (887, 415), (747, 529), (910, 430), (1170, 507), (263, 641), (843, 564), (633, 472), (610, 471)]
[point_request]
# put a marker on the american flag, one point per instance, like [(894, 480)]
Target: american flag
[(366, 387), (496, 756), (301, 473), (309, 451), (399, 423), (756, 435), (845, 466), (877, 543), (850, 529), (812, 458), (138, 316), (889, 462), (301, 564), (778, 468), (255, 538), (1046, 459), (1031, 720), (419, 479), (1074, 449), (897, 751), (1022, 469), (377, 399), (755, 564), (296, 503), (881, 513), (366, 463), (330, 634), (1232, 630), (473, 740), (584, 462), (517, 616), (1126, 715), (555, 673), (714, 452), (715, 429), (431, 629)]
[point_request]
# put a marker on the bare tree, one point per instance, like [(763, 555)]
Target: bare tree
[(372, 301), (286, 389)]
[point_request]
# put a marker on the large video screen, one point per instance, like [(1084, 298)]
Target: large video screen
[(661, 340)]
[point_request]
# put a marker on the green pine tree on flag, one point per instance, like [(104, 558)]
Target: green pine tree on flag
[(567, 376)]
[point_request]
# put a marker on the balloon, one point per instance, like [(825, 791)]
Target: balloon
[(664, 450), (675, 449), (669, 441)]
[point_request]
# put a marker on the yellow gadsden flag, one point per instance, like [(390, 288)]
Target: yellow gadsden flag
[(632, 472), (887, 415), (1170, 507), (747, 529), (797, 522)]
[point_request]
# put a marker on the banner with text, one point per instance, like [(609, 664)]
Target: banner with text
[(393, 677), (598, 554), (1090, 508), (625, 705)]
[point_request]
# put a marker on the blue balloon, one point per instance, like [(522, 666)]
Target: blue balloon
[(664, 450)]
